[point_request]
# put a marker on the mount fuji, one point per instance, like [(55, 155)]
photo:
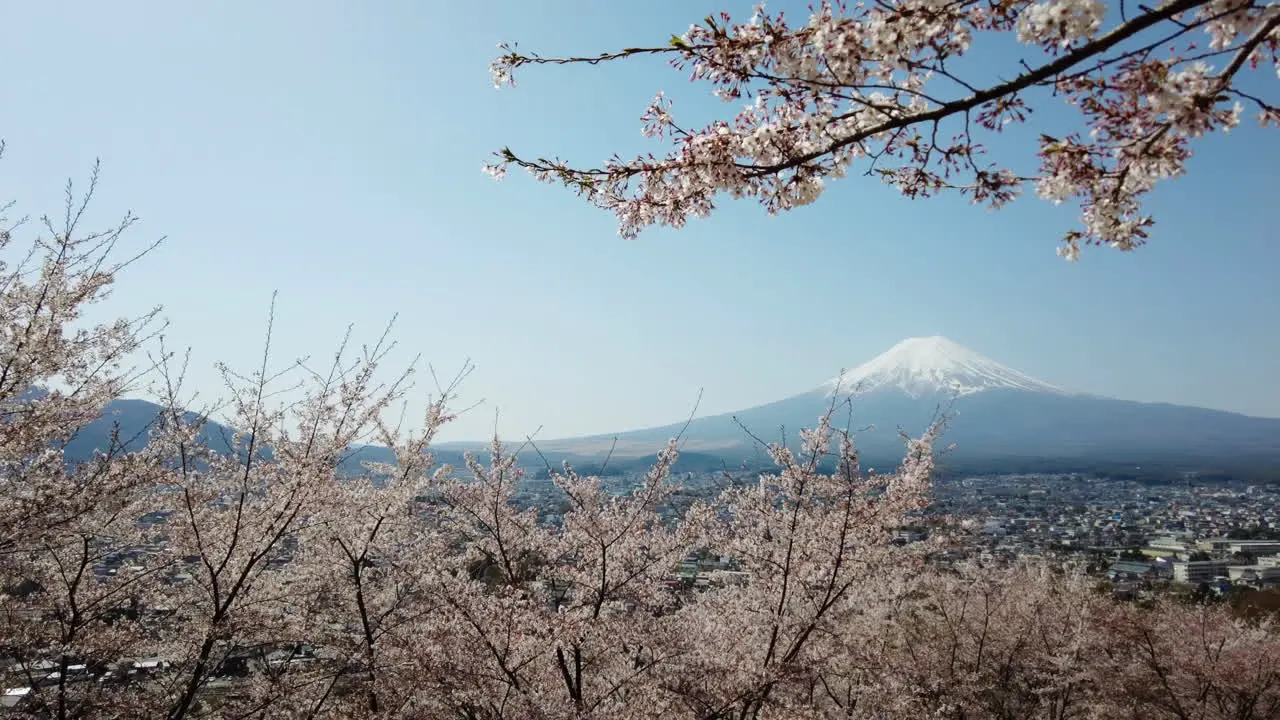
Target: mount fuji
[(921, 367), (994, 413)]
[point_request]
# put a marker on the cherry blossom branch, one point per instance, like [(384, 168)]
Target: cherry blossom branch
[(1005, 89), (843, 88)]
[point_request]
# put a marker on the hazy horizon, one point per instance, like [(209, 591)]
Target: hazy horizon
[(848, 385)]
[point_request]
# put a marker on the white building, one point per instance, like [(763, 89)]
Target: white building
[(1254, 547), (1198, 571), (1253, 573), (1166, 546)]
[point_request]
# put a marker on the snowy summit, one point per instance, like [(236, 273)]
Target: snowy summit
[(934, 365)]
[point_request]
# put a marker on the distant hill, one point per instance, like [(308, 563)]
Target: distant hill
[(133, 420)]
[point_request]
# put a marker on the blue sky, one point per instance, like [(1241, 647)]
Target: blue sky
[(331, 151)]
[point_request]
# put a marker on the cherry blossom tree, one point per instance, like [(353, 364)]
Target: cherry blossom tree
[(552, 622), (999, 641), (883, 87), (251, 526), (1176, 660), (58, 617), (372, 574), (56, 376), (821, 576)]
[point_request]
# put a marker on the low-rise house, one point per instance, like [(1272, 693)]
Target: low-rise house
[(1132, 569)]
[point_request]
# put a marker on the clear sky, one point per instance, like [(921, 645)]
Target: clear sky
[(331, 151)]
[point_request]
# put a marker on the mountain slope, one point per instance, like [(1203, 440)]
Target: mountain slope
[(994, 411), (132, 419)]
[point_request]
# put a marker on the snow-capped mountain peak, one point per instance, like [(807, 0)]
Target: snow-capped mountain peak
[(934, 365)]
